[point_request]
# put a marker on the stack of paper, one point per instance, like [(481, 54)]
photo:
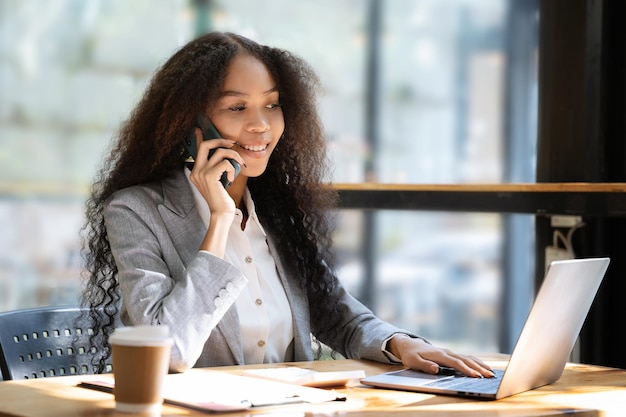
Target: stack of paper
[(306, 377), (209, 390)]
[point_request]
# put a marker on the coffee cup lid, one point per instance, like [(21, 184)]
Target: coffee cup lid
[(141, 336)]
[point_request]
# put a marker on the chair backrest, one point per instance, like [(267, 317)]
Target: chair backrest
[(45, 342)]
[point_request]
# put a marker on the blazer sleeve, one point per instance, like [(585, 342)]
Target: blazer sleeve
[(157, 285), (357, 333)]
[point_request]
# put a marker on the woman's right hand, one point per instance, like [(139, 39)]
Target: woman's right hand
[(206, 175), (207, 172)]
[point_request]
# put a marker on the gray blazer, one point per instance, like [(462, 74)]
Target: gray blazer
[(155, 230)]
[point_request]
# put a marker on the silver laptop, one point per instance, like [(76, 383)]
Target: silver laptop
[(542, 349)]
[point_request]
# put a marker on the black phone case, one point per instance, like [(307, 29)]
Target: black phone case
[(208, 132)]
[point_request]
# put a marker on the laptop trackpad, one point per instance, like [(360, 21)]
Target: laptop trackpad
[(414, 378)]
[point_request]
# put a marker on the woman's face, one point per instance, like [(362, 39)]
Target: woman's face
[(249, 113)]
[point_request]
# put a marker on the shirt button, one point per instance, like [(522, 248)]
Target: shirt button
[(259, 301), (261, 343), (248, 259)]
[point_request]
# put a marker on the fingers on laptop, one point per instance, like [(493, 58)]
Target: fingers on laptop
[(473, 366), (467, 365), (423, 356)]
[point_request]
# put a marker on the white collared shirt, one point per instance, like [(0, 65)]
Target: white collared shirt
[(264, 312)]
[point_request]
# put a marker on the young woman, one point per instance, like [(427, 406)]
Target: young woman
[(242, 273)]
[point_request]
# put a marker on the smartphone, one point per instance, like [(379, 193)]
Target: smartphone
[(208, 132)]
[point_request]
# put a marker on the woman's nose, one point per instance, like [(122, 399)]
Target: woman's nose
[(258, 123)]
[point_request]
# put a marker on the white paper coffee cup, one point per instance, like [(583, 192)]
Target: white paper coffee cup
[(141, 356)]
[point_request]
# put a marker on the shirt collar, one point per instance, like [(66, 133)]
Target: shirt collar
[(205, 213)]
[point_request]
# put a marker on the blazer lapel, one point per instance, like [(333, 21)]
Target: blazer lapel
[(179, 203)]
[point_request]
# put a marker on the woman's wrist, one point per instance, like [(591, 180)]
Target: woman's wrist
[(217, 234), (397, 344)]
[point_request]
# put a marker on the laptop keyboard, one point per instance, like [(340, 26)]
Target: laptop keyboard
[(462, 383)]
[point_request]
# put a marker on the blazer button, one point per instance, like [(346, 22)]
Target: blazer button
[(259, 301), (248, 259), (261, 343)]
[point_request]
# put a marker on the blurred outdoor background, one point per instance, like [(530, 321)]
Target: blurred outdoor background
[(416, 91)]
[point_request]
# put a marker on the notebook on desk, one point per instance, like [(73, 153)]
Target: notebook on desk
[(542, 349), (214, 391)]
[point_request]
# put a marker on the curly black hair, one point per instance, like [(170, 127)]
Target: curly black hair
[(291, 198)]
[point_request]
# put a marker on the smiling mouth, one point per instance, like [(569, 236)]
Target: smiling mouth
[(256, 148)]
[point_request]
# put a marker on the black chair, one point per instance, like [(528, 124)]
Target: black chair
[(45, 342)]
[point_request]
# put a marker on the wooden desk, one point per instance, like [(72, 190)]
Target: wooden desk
[(583, 390)]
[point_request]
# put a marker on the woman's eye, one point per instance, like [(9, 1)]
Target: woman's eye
[(237, 108), (274, 106)]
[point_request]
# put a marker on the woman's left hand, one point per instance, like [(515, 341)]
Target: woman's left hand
[(417, 354)]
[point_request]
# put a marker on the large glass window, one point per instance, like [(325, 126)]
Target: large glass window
[(415, 91), (70, 71)]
